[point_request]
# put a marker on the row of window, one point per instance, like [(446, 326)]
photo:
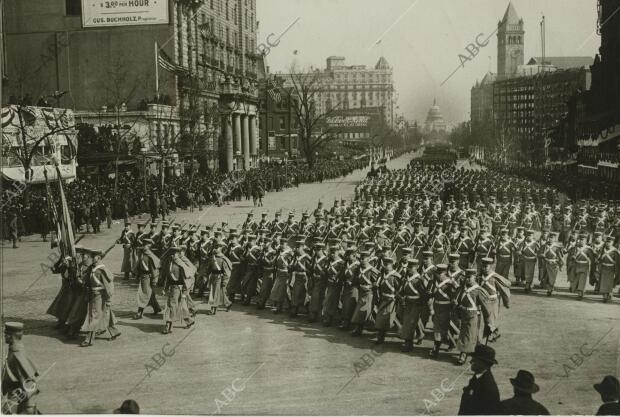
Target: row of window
[(248, 17)]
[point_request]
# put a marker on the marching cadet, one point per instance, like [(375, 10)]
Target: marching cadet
[(204, 248), (386, 309), (529, 257), (234, 253), (505, 253), (290, 227), (464, 247), (317, 283), (439, 244), (365, 281), (543, 241), (250, 278), (99, 283), (283, 259), (495, 286), (19, 374), (517, 261), (414, 293), (147, 272), (609, 268), (484, 246), (69, 269), (268, 258), (127, 239), (219, 268), (553, 257), (275, 226), (175, 289), (299, 266), (418, 240), (470, 299), (582, 257), (403, 262), (334, 277), (349, 289), (249, 224), (443, 291)]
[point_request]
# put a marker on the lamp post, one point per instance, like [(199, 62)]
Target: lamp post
[(286, 165)]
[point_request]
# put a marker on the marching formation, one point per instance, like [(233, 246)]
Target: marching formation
[(429, 244)]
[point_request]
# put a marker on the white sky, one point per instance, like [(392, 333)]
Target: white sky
[(421, 39)]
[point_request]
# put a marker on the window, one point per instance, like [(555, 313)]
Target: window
[(282, 123), (73, 7), (227, 17), (211, 4)]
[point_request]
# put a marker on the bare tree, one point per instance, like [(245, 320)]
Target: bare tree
[(306, 91)]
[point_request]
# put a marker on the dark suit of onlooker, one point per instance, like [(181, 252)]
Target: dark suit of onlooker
[(481, 395), (609, 389), (522, 403)]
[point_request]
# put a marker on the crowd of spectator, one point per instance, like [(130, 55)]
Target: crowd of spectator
[(99, 201)]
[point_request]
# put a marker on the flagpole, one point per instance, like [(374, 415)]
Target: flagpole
[(156, 73)]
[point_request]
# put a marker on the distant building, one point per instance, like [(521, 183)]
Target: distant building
[(434, 120), (482, 108), (510, 43), (355, 87), (205, 48)]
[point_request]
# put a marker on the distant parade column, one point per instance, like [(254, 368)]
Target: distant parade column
[(245, 125), (253, 136), (237, 133), (228, 135)]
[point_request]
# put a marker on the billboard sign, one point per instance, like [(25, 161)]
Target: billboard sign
[(347, 121), (100, 13)]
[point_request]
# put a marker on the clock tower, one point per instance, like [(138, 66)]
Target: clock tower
[(510, 36)]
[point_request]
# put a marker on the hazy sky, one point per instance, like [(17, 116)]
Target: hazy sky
[(421, 39)]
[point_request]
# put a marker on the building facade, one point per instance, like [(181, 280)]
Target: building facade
[(347, 87), (510, 43), (528, 110), (210, 65)]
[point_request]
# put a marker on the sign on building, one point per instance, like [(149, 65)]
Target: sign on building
[(98, 13), (347, 121)]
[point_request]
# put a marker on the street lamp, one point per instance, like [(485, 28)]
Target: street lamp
[(286, 165)]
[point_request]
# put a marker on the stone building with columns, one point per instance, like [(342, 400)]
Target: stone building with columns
[(211, 69)]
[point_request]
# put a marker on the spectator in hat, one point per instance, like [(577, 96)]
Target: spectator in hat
[(481, 395), (609, 389), (18, 374), (128, 407), (522, 402)]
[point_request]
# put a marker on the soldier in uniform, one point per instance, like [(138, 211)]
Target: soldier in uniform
[(365, 281), (414, 294), (334, 280), (349, 290), (220, 268), (464, 246), (299, 267), (19, 374), (505, 254), (127, 239), (250, 278), (147, 271), (99, 283), (317, 283), (490, 282), (283, 259), (609, 268), (175, 289), (268, 258), (443, 292), (582, 256), (234, 253), (386, 309), (553, 257), (470, 299), (529, 257)]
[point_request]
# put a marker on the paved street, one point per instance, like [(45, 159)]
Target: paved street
[(254, 362)]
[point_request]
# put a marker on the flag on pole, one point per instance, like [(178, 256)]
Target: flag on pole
[(164, 61), (66, 237), (274, 92)]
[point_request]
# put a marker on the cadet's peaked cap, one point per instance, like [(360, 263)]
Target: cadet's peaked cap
[(454, 257), (427, 254), (441, 267), (13, 327), (471, 271), (412, 262), (487, 261)]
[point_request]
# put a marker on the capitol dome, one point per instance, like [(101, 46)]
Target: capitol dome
[(434, 119)]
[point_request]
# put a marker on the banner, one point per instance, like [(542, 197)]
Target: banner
[(98, 13)]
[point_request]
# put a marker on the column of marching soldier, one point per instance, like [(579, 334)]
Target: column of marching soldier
[(368, 262)]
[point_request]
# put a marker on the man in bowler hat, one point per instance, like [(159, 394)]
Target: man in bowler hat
[(609, 389), (522, 403), (481, 395)]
